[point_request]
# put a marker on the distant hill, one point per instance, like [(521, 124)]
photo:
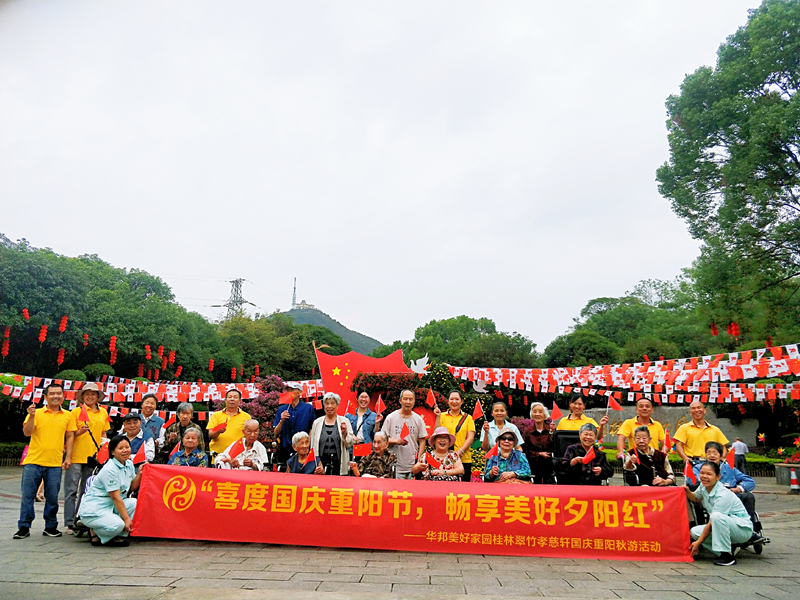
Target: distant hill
[(312, 316)]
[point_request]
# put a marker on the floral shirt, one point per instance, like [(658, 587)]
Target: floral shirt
[(377, 466), (448, 462), (195, 459)]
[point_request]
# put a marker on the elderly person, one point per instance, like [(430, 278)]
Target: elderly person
[(150, 420), (172, 435), (245, 454), (538, 445), (332, 437), (644, 465), (299, 461), (364, 422), (291, 418), (405, 446), (225, 426), (578, 470), (91, 424), (575, 420), (496, 425), (461, 425), (440, 463), (508, 465), (379, 463), (644, 410), (138, 437), (728, 521), (189, 454), (106, 510), (691, 438)]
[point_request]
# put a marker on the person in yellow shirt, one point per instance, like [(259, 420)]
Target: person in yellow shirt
[(226, 426), (460, 425), (50, 429), (691, 438), (88, 439), (576, 419), (644, 409)]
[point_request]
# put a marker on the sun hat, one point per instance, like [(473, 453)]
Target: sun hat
[(89, 387), (442, 431)]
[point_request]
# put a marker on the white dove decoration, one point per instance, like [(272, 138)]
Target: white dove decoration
[(419, 366), (479, 386)]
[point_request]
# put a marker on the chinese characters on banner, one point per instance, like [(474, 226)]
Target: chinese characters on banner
[(524, 520)]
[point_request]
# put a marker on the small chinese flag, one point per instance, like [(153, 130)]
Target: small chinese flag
[(431, 399), (613, 404), (492, 452), (140, 456), (237, 449), (731, 458), (285, 398), (668, 443), (222, 425), (310, 457), (379, 405), (343, 408), (175, 450), (432, 461), (478, 412), (556, 413), (405, 431), (590, 456), (688, 472), (171, 420), (84, 416), (362, 449), (102, 454), (28, 388), (638, 458)]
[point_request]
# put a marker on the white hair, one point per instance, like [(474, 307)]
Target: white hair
[(382, 434), (546, 412), (331, 396), (298, 436)]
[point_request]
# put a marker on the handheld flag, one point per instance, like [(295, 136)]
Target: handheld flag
[(362, 449), (171, 421), (405, 431), (637, 457), (310, 457), (431, 399), (731, 458), (379, 405), (556, 413), (590, 456), (28, 388), (688, 472), (237, 449), (613, 404), (478, 412), (140, 456), (668, 443), (429, 458), (285, 398), (492, 452), (175, 450), (102, 454), (221, 426), (84, 416)]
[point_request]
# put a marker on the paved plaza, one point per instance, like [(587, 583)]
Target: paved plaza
[(55, 568)]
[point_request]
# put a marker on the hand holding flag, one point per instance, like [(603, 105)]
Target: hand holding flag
[(171, 421), (379, 405), (590, 456), (492, 452), (83, 416), (140, 456), (310, 457), (688, 472)]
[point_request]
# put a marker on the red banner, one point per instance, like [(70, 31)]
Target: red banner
[(636, 523)]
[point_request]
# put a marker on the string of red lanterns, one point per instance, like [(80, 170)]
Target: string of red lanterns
[(60, 358), (25, 314), (42, 334), (62, 326)]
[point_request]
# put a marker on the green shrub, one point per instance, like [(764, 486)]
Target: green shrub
[(11, 449), (71, 374), (98, 369), (145, 379)]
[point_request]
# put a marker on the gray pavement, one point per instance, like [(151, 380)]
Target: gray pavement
[(52, 568)]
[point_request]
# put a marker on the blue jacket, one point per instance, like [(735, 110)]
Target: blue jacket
[(153, 425), (367, 425), (730, 477)]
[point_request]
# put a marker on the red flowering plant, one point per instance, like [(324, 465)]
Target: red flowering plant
[(263, 407)]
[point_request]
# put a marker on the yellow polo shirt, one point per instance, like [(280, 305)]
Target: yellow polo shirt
[(98, 423), (231, 434), (657, 435), (451, 422), (47, 440), (694, 438), (567, 424)]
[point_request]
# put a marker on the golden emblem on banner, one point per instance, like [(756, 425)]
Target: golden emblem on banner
[(179, 493)]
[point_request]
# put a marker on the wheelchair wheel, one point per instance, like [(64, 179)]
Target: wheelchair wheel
[(758, 548)]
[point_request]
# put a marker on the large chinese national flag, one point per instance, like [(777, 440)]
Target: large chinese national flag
[(338, 372)]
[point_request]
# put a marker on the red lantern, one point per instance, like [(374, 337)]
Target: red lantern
[(161, 352), (735, 331), (25, 314), (256, 370), (714, 329), (140, 372), (150, 374), (510, 400), (85, 340), (769, 341), (147, 353), (525, 400), (172, 357), (60, 358), (112, 345), (157, 374), (43, 334), (178, 371), (210, 364), (164, 364), (233, 373), (62, 326), (113, 358), (6, 332), (5, 348)]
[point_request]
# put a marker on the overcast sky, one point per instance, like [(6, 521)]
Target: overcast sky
[(406, 161)]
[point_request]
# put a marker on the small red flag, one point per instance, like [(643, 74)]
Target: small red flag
[(285, 398), (379, 405), (343, 408), (310, 457), (84, 416), (431, 399), (638, 458), (432, 461), (668, 443), (731, 458), (102, 454), (171, 420), (492, 452), (28, 388), (556, 413), (362, 449), (688, 472), (175, 450), (405, 431), (237, 449), (613, 404), (220, 426), (478, 412), (590, 456), (140, 456)]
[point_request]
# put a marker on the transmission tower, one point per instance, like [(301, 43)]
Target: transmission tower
[(294, 294), (235, 302)]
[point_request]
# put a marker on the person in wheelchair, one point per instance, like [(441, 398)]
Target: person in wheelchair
[(576, 469), (644, 465), (740, 484)]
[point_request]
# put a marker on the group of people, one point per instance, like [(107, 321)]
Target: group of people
[(100, 499)]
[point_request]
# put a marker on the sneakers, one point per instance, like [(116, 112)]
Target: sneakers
[(22, 533), (51, 532), (725, 560)]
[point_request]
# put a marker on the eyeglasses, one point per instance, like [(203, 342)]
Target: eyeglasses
[(506, 439)]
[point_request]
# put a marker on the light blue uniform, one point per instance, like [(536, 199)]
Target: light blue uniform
[(97, 509), (730, 522)]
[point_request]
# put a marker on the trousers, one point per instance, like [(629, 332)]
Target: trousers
[(108, 524), (32, 476), (74, 485), (725, 530)]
